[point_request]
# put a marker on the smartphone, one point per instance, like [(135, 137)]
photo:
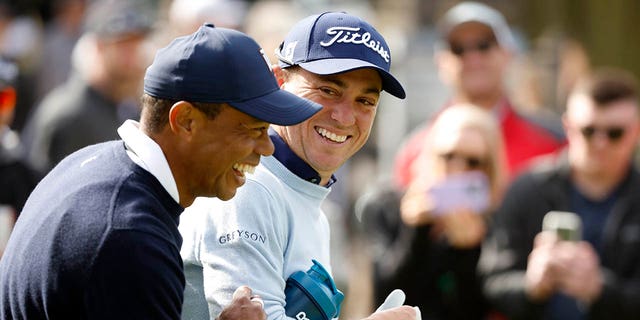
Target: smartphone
[(566, 225), (469, 190)]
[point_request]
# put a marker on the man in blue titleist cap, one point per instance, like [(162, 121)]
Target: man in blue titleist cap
[(98, 238), (274, 227)]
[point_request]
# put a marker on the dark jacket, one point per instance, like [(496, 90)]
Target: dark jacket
[(97, 239), (516, 223), (17, 179), (71, 117)]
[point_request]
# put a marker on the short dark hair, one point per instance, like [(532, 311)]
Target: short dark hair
[(155, 111), (291, 70), (607, 85)]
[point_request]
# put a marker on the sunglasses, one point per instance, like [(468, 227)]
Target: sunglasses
[(482, 46), (471, 162), (614, 134)]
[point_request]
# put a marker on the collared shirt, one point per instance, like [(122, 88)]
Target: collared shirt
[(295, 164), (147, 154)]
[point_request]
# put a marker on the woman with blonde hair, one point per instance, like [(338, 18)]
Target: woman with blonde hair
[(464, 142), (427, 238)]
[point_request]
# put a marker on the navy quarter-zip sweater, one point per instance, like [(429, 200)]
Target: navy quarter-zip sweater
[(97, 239)]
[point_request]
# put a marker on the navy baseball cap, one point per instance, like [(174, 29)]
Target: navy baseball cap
[(218, 65), (336, 42)]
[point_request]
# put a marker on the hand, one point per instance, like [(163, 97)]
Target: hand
[(244, 306), (397, 313), (540, 276), (580, 271), (416, 206), (464, 228)]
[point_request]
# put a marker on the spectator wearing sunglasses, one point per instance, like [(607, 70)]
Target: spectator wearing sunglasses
[(426, 241), (472, 56), (529, 274)]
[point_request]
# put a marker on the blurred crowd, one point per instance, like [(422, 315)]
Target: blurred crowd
[(530, 124)]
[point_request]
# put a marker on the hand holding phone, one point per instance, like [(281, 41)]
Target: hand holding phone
[(566, 225)]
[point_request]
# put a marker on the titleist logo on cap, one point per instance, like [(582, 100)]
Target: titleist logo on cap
[(351, 35)]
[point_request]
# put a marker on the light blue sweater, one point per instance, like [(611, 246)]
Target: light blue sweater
[(272, 228)]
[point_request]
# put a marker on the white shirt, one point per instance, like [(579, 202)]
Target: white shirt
[(147, 154)]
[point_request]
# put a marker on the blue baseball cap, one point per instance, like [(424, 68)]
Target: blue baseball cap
[(336, 42), (218, 65)]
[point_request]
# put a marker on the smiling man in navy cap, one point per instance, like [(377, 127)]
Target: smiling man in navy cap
[(275, 227), (98, 238)]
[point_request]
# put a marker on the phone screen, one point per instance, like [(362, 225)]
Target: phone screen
[(469, 190), (566, 225)]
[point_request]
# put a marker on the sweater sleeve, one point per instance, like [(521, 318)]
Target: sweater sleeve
[(238, 242), (135, 276)]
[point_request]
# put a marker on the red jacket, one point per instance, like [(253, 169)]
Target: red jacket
[(523, 139)]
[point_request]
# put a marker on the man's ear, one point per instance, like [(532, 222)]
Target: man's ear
[(278, 73), (181, 117), (507, 54), (444, 62)]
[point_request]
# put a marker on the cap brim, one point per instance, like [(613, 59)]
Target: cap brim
[(332, 66), (278, 107)]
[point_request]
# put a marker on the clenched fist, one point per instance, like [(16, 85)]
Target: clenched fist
[(244, 306)]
